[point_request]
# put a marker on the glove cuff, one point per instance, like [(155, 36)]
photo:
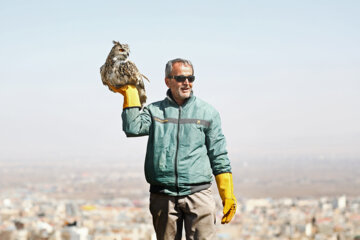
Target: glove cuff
[(225, 186), (131, 96)]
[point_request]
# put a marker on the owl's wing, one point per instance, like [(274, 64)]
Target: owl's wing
[(137, 81), (131, 72), (145, 77)]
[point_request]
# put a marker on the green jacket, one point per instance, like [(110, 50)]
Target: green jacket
[(185, 147)]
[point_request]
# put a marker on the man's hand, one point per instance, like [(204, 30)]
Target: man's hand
[(131, 95), (120, 90), (225, 186)]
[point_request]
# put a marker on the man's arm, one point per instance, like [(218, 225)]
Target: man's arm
[(220, 164), (135, 122), (216, 146)]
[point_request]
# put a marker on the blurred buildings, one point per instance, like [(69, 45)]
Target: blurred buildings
[(36, 217), (97, 201)]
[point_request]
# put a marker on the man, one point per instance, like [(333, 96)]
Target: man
[(185, 148)]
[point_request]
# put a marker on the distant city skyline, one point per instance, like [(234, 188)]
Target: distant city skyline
[(284, 75)]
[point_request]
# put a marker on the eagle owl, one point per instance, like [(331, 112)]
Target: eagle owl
[(119, 71)]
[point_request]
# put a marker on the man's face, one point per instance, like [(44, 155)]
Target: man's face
[(180, 90)]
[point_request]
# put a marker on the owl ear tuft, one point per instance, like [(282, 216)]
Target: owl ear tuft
[(115, 42)]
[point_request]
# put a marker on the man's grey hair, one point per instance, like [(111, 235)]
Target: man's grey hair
[(169, 65)]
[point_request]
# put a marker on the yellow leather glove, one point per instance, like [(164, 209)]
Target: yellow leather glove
[(225, 186), (131, 95)]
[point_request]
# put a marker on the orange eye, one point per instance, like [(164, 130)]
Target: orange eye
[(121, 50)]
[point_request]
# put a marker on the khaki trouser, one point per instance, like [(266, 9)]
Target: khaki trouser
[(195, 211)]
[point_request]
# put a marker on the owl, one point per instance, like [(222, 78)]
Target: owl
[(119, 71)]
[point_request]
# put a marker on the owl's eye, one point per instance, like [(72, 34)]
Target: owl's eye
[(121, 50)]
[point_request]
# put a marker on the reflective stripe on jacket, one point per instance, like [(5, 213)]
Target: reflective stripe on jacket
[(185, 147)]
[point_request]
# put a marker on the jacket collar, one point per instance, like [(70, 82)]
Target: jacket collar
[(187, 101)]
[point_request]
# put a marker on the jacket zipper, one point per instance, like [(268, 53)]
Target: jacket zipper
[(176, 155)]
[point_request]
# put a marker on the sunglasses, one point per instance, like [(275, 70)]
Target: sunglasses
[(182, 78)]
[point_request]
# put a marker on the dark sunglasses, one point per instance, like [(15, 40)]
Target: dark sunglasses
[(182, 78)]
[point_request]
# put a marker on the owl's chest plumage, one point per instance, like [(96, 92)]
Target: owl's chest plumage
[(118, 73)]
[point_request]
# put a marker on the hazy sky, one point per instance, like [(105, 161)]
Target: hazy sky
[(284, 75)]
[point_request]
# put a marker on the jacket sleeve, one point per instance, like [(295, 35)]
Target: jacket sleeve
[(216, 147), (135, 122)]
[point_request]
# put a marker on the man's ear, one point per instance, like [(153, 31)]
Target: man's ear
[(167, 82)]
